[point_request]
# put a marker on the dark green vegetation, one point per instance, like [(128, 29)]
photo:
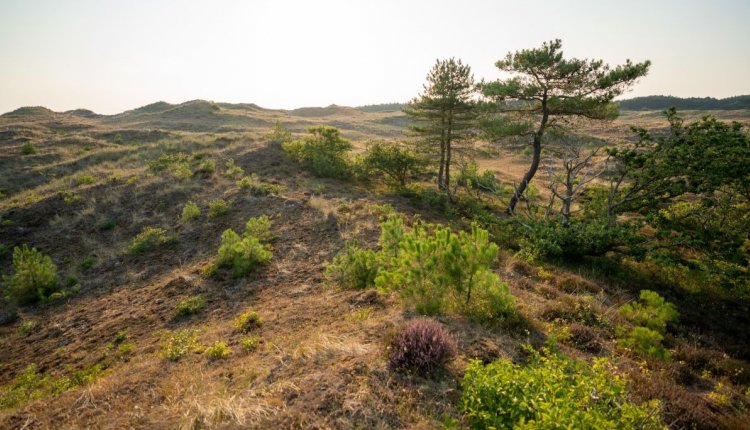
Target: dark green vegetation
[(690, 103), (212, 265)]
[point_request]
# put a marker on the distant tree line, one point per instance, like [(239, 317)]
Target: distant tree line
[(690, 103)]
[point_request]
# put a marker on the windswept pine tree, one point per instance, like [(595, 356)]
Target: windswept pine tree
[(546, 88)]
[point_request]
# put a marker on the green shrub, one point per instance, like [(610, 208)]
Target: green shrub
[(28, 327), (233, 170), (168, 161), (217, 208), (248, 321), (259, 228), (106, 225), (191, 305), (242, 254), (353, 268), (179, 343), (218, 351), (279, 133), (207, 167), (652, 311), (551, 392), (250, 343), (644, 341), (28, 148), (84, 180), (30, 385), (34, 277), (190, 212), (323, 151), (441, 271), (258, 187), (88, 262), (149, 238), (392, 161)]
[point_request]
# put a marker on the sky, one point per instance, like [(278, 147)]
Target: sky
[(114, 55)]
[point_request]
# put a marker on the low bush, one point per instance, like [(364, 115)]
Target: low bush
[(34, 276), (233, 170), (250, 343), (393, 161), (28, 148), (207, 167), (242, 254), (179, 343), (423, 346), (190, 212), (260, 228), (218, 351), (149, 238), (353, 268), (218, 207), (651, 311), (248, 321), (258, 187), (646, 342), (551, 392), (30, 385), (84, 180), (323, 151), (191, 305)]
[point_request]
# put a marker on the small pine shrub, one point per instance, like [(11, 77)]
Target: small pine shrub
[(323, 151), (646, 342), (279, 133), (243, 255), (652, 311), (207, 167), (191, 305), (423, 346), (396, 163), (190, 212), (218, 351), (250, 343), (245, 183), (259, 228), (179, 343), (233, 170), (34, 277), (106, 225), (248, 321), (28, 327), (217, 208), (353, 268), (28, 148), (88, 262), (149, 238)]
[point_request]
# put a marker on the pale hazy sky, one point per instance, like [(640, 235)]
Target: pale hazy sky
[(109, 55)]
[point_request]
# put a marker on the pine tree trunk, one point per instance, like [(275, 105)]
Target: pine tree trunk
[(536, 158)]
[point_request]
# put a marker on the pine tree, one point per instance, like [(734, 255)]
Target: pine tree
[(445, 112), (547, 88)]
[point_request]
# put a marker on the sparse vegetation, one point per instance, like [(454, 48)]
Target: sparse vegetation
[(179, 343), (28, 148), (250, 343), (191, 305), (248, 321)]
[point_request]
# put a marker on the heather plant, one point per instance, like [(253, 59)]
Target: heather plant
[(550, 392), (34, 276), (149, 238), (423, 346), (190, 212)]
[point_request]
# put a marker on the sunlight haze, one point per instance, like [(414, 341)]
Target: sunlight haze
[(116, 55)]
